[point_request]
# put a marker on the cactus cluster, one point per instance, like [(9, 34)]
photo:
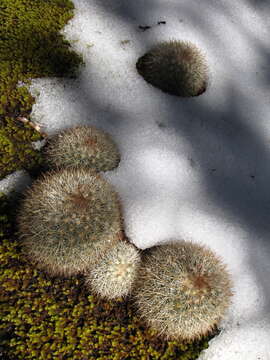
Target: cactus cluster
[(82, 146), (113, 275), (48, 319), (176, 67), (183, 290), (67, 218), (72, 215), (70, 220)]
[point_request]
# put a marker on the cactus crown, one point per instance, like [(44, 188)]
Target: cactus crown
[(82, 146), (176, 67), (183, 290), (67, 217), (113, 275)]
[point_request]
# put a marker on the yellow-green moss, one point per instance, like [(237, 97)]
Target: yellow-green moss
[(30, 47), (52, 318)]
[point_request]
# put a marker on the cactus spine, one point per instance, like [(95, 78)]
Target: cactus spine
[(183, 290), (113, 275), (176, 67), (68, 218), (82, 146)]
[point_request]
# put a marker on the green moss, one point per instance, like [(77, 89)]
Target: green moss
[(16, 150), (52, 318), (30, 47)]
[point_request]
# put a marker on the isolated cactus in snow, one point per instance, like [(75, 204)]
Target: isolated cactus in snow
[(113, 275), (67, 218), (183, 290), (176, 67), (82, 146)]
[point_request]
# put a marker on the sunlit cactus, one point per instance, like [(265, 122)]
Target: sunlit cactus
[(182, 290), (67, 218), (82, 146), (176, 67), (113, 275)]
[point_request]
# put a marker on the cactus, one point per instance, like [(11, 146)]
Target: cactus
[(114, 273), (82, 146), (182, 290), (67, 218), (176, 67)]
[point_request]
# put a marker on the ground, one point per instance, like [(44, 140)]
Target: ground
[(194, 169)]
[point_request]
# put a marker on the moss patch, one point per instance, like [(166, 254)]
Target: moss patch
[(53, 318), (30, 47)]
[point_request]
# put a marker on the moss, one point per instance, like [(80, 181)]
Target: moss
[(30, 47), (16, 150), (52, 318)]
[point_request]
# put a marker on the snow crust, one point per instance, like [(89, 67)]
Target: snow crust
[(195, 169)]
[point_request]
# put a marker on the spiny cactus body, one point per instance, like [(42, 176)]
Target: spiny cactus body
[(82, 146), (113, 275), (176, 67), (67, 218), (183, 290)]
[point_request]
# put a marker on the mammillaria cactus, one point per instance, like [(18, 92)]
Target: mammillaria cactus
[(67, 218), (113, 275), (82, 146), (182, 290), (176, 67)]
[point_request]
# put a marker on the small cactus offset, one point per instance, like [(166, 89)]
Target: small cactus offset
[(67, 218), (176, 67), (114, 274), (82, 146), (182, 290)]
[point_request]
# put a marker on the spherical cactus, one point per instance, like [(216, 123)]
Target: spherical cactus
[(67, 218), (182, 290), (176, 67), (113, 275), (82, 146)]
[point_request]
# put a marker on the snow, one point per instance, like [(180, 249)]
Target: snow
[(17, 181), (195, 169)]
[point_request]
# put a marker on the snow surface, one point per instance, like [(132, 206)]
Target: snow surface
[(197, 168), (18, 181)]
